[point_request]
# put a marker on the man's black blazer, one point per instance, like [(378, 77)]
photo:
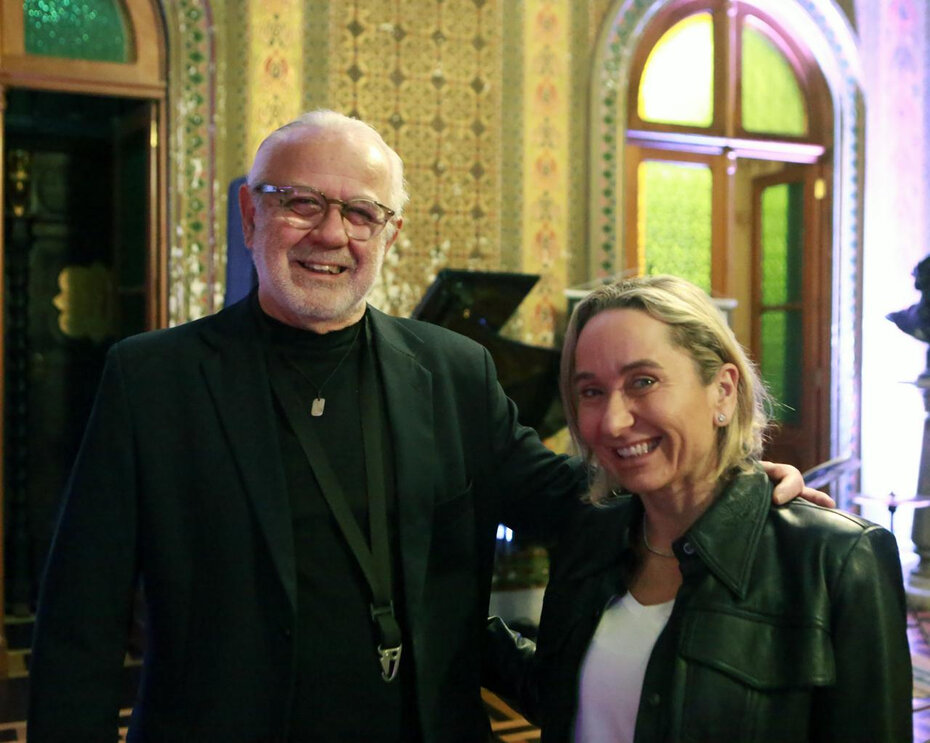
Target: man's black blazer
[(179, 479)]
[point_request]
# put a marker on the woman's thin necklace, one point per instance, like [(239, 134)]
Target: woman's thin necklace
[(319, 402), (649, 547)]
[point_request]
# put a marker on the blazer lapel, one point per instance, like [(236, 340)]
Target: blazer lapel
[(237, 378), (409, 402)]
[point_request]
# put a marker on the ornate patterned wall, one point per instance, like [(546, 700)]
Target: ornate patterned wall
[(480, 97), (487, 101), (195, 265), (427, 75), (558, 36)]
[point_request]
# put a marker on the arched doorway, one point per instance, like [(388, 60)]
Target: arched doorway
[(779, 192), (728, 125), (82, 250)]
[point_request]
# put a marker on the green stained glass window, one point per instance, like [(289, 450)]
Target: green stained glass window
[(771, 97), (674, 220), (677, 85), (76, 29), (782, 341), (782, 243), (782, 361)]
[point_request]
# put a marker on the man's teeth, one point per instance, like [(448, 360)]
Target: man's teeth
[(637, 450), (322, 268)]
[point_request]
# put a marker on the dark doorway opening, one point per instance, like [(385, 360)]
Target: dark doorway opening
[(74, 282)]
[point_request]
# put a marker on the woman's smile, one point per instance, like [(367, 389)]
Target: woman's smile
[(642, 407)]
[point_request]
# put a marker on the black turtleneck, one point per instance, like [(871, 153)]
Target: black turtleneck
[(339, 695)]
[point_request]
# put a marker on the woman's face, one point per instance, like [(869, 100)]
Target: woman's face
[(642, 409)]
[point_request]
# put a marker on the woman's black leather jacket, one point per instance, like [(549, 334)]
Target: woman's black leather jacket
[(790, 625)]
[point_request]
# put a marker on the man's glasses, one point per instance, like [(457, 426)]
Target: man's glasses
[(362, 219)]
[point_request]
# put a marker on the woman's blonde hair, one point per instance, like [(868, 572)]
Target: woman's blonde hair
[(696, 326)]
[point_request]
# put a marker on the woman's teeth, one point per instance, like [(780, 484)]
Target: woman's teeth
[(637, 450)]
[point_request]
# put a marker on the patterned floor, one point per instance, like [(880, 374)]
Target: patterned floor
[(507, 724), (918, 634)]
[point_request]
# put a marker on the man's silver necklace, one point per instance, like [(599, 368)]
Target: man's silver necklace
[(319, 402), (649, 547)]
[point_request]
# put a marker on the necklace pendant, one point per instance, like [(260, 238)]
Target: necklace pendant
[(316, 410)]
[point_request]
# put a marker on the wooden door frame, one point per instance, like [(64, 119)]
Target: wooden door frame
[(816, 294), (4, 648), (145, 77)]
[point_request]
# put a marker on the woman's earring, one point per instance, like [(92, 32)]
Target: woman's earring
[(721, 418)]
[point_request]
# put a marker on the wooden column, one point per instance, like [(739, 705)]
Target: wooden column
[(4, 649)]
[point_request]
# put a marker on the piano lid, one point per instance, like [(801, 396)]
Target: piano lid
[(477, 304), (484, 298)]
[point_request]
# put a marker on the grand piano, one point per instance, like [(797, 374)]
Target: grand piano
[(478, 304)]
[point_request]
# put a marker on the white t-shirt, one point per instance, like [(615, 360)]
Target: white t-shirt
[(613, 670)]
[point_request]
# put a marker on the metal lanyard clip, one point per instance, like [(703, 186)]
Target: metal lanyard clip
[(389, 631), (390, 662)]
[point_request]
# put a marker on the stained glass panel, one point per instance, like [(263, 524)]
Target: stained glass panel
[(674, 220), (782, 361), (772, 101), (782, 243), (677, 85), (76, 29)]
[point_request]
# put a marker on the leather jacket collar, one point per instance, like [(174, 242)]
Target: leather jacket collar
[(726, 536)]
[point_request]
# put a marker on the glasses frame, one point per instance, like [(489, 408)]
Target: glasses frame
[(282, 191)]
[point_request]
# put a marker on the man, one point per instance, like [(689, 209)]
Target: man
[(308, 488)]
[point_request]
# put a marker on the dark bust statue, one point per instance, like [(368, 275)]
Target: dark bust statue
[(915, 320)]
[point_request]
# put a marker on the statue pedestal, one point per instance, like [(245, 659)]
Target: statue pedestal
[(917, 582), (918, 593)]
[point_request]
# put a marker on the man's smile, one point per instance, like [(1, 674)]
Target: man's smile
[(321, 268)]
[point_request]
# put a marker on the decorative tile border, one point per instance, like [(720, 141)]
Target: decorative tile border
[(193, 289), (275, 72), (512, 128), (316, 62), (547, 201)]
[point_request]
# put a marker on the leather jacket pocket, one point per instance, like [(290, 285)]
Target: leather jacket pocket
[(749, 677)]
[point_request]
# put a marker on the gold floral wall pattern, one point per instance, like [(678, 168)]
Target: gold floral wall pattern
[(427, 75), (275, 67), (547, 198), (484, 100)]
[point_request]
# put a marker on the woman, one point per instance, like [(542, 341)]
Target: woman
[(690, 608)]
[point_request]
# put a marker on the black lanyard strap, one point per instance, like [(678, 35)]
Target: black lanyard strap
[(376, 561)]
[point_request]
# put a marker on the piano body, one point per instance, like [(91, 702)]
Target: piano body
[(477, 304)]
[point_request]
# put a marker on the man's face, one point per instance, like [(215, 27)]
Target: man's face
[(318, 278)]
